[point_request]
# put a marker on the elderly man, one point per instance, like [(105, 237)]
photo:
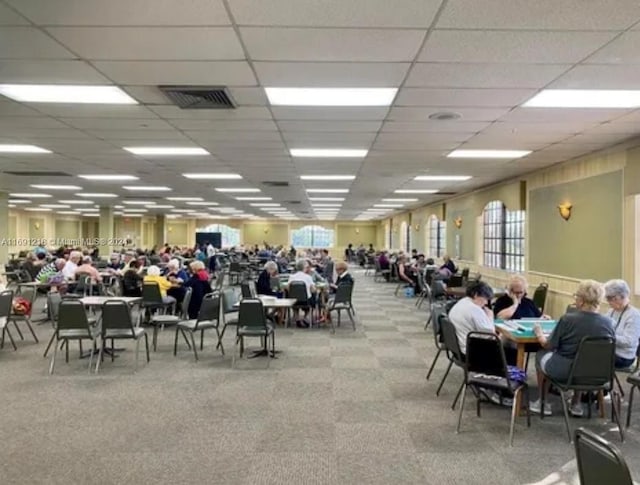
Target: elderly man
[(344, 277), (302, 274), (50, 270), (515, 304), (69, 270)]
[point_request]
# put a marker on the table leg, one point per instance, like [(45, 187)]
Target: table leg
[(520, 364)]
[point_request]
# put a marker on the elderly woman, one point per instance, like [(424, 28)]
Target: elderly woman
[(263, 286), (153, 276), (626, 322), (200, 286), (561, 347), (515, 304), (177, 276)]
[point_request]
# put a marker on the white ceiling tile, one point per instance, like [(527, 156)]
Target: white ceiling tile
[(147, 94), (327, 74), (291, 44), (330, 126), (492, 142), (623, 50), (236, 135), (252, 125), (150, 137), (9, 17), (29, 43), (541, 14), (248, 96), (50, 72), (150, 43), (451, 75), (344, 114), (590, 138), (543, 115), (123, 12), (42, 137), (619, 127), (11, 108), (335, 13), (433, 126), (72, 110), (511, 46), (423, 113), (118, 124), (417, 144), (600, 77), (463, 97), (188, 72), (29, 122), (421, 137), (328, 140), (240, 113)]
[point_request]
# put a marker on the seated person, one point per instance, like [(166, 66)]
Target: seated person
[(561, 347), (177, 276), (199, 284), (626, 319), (263, 285), (515, 304), (448, 265), (88, 269), (302, 274), (405, 273), (153, 276), (472, 313), (385, 264), (114, 263), (343, 278), (131, 280)]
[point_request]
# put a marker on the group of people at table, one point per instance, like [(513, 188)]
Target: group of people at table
[(621, 322)]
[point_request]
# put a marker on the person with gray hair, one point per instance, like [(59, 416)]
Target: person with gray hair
[(263, 285), (515, 304), (301, 274), (69, 270), (626, 319)]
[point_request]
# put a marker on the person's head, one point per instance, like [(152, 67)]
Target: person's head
[(128, 257), (446, 258), (301, 265), (196, 266), (589, 295), (75, 256), (480, 292), (420, 258), (341, 267), (518, 286), (271, 267), (617, 294), (414, 252), (115, 257), (86, 260), (41, 256), (153, 271), (430, 261), (134, 265), (60, 262), (173, 265)]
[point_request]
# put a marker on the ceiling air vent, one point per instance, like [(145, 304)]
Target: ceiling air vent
[(32, 173), (275, 183), (293, 202), (199, 97), (445, 116)]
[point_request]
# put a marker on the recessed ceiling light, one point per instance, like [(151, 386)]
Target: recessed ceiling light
[(212, 176), (127, 211), (147, 188), (154, 206), (46, 93), (388, 205), (584, 98), (76, 202), (87, 209), (37, 209), (97, 195), (327, 177), (167, 150), (68, 213), (400, 200), (55, 187), (442, 178), (29, 196), (183, 211), (262, 204), (507, 154), (19, 201), (327, 199), (239, 190), (22, 149), (56, 206), (108, 178), (415, 191), (326, 205), (253, 198), (137, 202), (331, 96), (329, 152), (327, 191), (91, 214), (184, 199), (203, 203), (118, 207)]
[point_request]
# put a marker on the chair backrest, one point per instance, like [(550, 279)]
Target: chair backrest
[(84, 282), (540, 296), (465, 274), (274, 283), (343, 293), (248, 289), (438, 290), (298, 290), (599, 461), (251, 314), (53, 305), (151, 293), (72, 316), (235, 267), (229, 299), (428, 276), (376, 262), (209, 310), (116, 314), (593, 365), (328, 271), (186, 301), (485, 355), (571, 309), (455, 281), (6, 303), (438, 311), (450, 341)]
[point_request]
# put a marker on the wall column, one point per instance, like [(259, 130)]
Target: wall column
[(161, 231), (105, 231), (4, 222)]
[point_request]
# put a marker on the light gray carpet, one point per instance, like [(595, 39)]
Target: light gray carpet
[(341, 409)]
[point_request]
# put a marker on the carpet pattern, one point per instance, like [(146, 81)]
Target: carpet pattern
[(349, 408)]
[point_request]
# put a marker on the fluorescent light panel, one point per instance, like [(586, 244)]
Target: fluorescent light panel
[(55, 187), (29, 196), (97, 195), (415, 191), (253, 198), (108, 177), (506, 154), (49, 93), (262, 204), (326, 199), (326, 205), (184, 199), (37, 209), (147, 188), (328, 152), (138, 202), (212, 176), (22, 149), (400, 200), (584, 98), (388, 205), (166, 150), (327, 191), (56, 206), (19, 201), (238, 190), (201, 203), (327, 177), (76, 202), (330, 96)]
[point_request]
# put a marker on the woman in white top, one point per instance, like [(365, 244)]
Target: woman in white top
[(626, 322)]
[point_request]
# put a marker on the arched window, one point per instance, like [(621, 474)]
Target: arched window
[(503, 240), (312, 236), (437, 237), (229, 235)]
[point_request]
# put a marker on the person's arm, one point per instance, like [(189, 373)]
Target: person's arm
[(628, 336), (402, 274), (553, 341), (507, 312)]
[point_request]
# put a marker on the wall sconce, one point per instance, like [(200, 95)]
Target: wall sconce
[(266, 230), (170, 229), (36, 225), (458, 222), (417, 227), (357, 230), (565, 210)]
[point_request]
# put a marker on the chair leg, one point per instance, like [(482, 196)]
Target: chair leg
[(175, 342), (615, 413), (235, 352), (8, 332), (93, 347), (46, 351), (433, 364), (543, 396), (463, 389), (219, 341), (100, 355), (527, 398), (66, 352), (455, 400), (155, 337), (53, 358), (195, 350), (146, 346), (184, 335), (28, 321), (514, 412), (633, 388), (137, 353), (565, 409), (353, 322), (201, 339), (615, 376), (444, 378), (426, 325), (15, 324)]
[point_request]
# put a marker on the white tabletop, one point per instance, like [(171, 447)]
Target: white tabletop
[(99, 300), (275, 303)]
